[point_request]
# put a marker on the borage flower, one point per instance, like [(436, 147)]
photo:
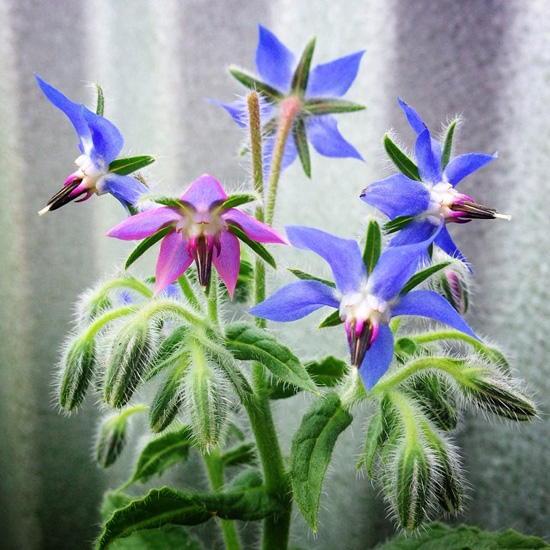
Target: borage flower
[(307, 99), (201, 228), (417, 205), (366, 302), (100, 142)]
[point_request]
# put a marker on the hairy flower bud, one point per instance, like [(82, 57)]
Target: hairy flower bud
[(454, 287), (77, 370), (111, 440)]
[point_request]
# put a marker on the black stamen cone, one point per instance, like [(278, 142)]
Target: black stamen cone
[(203, 261), (474, 210), (359, 344), (62, 197)]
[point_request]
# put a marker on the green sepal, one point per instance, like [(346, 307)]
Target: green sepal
[(332, 320), (437, 398), (127, 363), (128, 165), (145, 244), (311, 451), (373, 246), (412, 482), (328, 106), (258, 248), (301, 74), (254, 84), (78, 369), (404, 348), (161, 453), (238, 199), (421, 276), (303, 276), (250, 343), (166, 201), (100, 101), (448, 143), (300, 139), (166, 506), (403, 163), (397, 224), (437, 536), (170, 352), (241, 455)]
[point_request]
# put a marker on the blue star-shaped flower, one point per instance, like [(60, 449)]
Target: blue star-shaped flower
[(315, 95), (100, 142), (366, 302), (417, 202)]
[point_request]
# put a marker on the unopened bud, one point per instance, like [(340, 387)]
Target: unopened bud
[(111, 440), (454, 287), (128, 361), (77, 370)]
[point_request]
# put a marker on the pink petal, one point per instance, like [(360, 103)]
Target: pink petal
[(172, 262), (255, 230), (144, 224), (228, 261), (204, 193)]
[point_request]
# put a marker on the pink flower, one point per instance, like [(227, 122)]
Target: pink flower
[(201, 230)]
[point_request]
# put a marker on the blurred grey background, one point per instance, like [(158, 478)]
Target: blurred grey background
[(157, 60)]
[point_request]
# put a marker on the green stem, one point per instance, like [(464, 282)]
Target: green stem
[(126, 282), (214, 467), (188, 292), (111, 315), (290, 107), (406, 410), (212, 294)]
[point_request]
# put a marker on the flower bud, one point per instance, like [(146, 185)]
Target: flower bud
[(128, 361), (454, 287), (77, 370), (111, 439)]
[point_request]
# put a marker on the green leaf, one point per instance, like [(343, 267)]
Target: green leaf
[(448, 143), (303, 276), (311, 451), (168, 537), (241, 455), (397, 224), (300, 139), (254, 84), (100, 104), (403, 163), (301, 74), (166, 506), (328, 372), (112, 501), (145, 244), (327, 106), (333, 320), (128, 165), (373, 246), (161, 453), (437, 536), (250, 343), (258, 248), (236, 200), (421, 276)]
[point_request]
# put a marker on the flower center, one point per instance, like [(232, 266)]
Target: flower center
[(362, 313)]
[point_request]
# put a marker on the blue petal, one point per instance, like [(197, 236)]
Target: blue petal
[(295, 300), (464, 165), (378, 358), (237, 110), (396, 266), (126, 189), (446, 243), (415, 231), (323, 133), (428, 157), (343, 255), (334, 79), (397, 196), (72, 110), (413, 117), (274, 61), (430, 304), (106, 138)]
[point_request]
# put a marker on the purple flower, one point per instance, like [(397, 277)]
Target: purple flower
[(100, 143), (366, 302), (422, 202), (201, 229), (286, 84)]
